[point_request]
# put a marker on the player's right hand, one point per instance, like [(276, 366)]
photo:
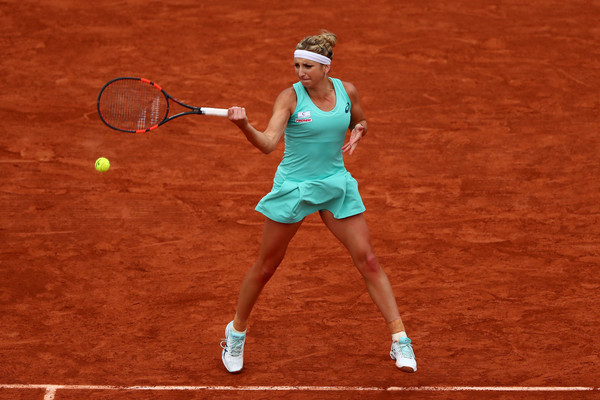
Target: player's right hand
[(237, 115)]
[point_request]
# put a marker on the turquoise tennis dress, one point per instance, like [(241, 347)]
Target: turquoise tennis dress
[(312, 176)]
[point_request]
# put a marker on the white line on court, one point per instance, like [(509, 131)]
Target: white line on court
[(50, 390)]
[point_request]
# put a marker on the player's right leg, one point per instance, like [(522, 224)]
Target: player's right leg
[(275, 240)]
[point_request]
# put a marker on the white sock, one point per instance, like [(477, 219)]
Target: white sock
[(397, 336), (236, 331)]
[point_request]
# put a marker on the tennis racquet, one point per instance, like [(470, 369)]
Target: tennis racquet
[(138, 105)]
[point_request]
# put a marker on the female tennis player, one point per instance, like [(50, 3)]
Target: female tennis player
[(314, 115)]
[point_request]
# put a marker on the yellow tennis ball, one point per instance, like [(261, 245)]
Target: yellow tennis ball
[(102, 164)]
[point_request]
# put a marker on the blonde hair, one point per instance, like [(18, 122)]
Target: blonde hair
[(321, 44)]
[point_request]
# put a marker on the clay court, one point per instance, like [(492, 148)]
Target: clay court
[(480, 174)]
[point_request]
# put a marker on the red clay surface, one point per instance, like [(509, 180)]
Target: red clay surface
[(479, 173)]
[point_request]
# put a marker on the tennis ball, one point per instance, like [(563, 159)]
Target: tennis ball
[(102, 164)]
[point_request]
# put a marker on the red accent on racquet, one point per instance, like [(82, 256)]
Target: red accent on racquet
[(139, 105)]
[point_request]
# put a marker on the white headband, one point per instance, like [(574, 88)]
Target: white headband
[(309, 55)]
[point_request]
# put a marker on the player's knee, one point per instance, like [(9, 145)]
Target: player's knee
[(266, 268), (265, 275), (262, 275), (372, 264), (368, 264)]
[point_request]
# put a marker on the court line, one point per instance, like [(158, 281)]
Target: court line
[(50, 393), (50, 390)]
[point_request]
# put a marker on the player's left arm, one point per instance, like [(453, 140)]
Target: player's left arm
[(358, 122), (357, 116)]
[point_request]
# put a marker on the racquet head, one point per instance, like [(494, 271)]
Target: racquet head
[(132, 105)]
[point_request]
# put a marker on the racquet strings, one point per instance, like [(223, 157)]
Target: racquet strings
[(133, 105)]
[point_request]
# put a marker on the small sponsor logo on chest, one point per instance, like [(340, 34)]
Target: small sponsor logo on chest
[(303, 117)]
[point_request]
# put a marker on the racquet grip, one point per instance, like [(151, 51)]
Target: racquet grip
[(218, 112)]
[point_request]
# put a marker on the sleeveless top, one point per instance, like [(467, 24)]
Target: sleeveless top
[(312, 176)]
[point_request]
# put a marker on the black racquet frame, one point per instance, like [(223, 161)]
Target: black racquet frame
[(221, 112)]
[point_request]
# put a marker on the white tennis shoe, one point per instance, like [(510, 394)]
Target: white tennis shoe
[(233, 349), (402, 352)]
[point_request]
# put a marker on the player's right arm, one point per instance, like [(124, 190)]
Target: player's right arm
[(267, 141)]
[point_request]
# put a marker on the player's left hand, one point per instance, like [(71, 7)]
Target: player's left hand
[(355, 136)]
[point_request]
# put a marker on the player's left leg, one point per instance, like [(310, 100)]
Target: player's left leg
[(354, 234)]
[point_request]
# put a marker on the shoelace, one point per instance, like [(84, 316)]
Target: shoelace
[(233, 345), (404, 349)]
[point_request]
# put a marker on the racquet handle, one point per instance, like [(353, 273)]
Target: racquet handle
[(218, 112)]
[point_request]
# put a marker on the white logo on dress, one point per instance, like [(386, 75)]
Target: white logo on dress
[(304, 116)]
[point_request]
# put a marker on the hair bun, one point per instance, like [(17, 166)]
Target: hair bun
[(322, 44), (329, 37)]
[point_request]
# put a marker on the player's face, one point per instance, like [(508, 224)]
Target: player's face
[(310, 72)]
